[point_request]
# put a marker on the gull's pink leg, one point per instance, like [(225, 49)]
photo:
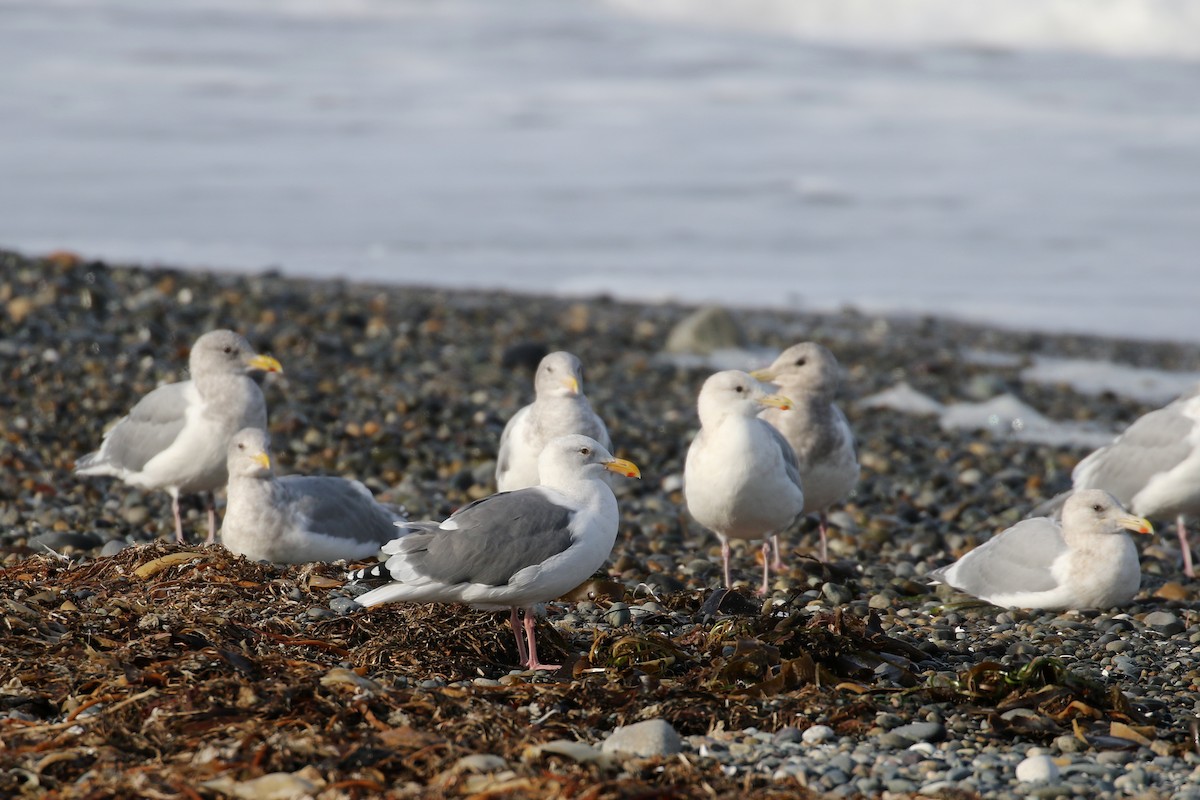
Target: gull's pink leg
[(178, 519), (766, 554), (777, 564), (212, 519), (529, 634), (725, 560), (824, 542), (1187, 551), (514, 621)]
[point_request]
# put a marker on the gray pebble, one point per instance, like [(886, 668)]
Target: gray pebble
[(901, 786), (921, 731), (879, 601), (112, 547), (834, 777), (344, 605), (837, 593), (1126, 665), (893, 741), (137, 516), (618, 614), (887, 721), (788, 735), (1164, 622), (1069, 744), (1115, 757), (353, 589)]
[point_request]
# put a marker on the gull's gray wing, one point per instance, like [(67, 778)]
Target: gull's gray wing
[(150, 428), (1153, 444), (339, 507), (790, 462), (492, 539), (504, 456), (1015, 560)]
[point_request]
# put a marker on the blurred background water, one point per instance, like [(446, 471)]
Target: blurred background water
[(1033, 163)]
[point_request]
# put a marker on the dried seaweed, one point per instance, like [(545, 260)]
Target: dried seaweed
[(1057, 699), (174, 673)]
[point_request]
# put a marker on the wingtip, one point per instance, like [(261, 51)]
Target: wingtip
[(368, 573)]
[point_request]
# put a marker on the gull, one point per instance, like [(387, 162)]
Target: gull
[(741, 477), (296, 519), (176, 438), (1153, 467), (559, 408), (512, 549), (816, 429), (1087, 561)]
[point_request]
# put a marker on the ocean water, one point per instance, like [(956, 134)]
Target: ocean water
[(1031, 163)]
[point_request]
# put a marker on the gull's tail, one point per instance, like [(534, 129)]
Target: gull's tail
[(94, 463)]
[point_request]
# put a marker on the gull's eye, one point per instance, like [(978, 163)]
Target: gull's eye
[(241, 446), (800, 362), (228, 348), (739, 388), (1097, 508), (587, 451)]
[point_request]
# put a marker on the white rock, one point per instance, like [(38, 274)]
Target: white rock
[(480, 762), (654, 737), (816, 734), (582, 752), (703, 331), (273, 786), (1037, 769)]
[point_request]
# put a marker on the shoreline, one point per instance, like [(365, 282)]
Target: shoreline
[(404, 388), (848, 308)]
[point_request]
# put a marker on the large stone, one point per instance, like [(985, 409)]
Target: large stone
[(654, 737), (921, 731), (817, 734), (1164, 622), (111, 548), (703, 331), (1037, 769)]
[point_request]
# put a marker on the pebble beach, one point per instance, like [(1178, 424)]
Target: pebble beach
[(130, 666)]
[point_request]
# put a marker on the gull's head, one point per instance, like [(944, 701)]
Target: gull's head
[(805, 368), (228, 352), (1092, 512), (249, 454), (559, 374), (580, 455), (734, 392)]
